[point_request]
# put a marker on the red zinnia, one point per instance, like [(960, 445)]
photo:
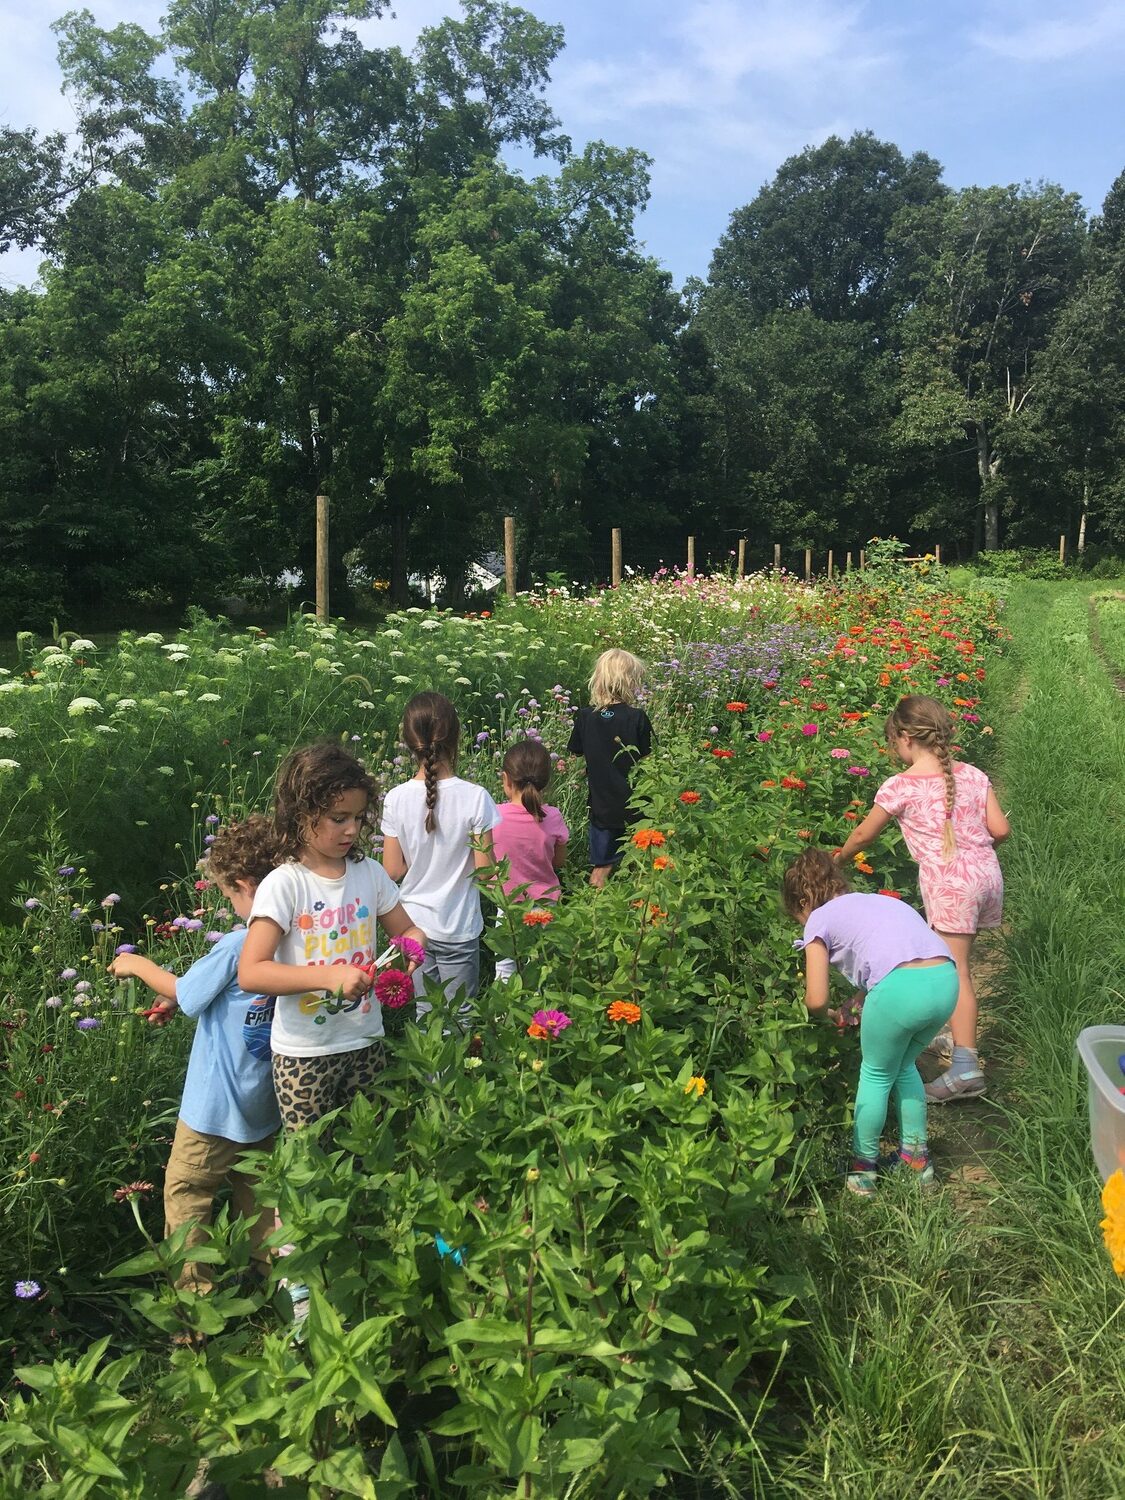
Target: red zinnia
[(723, 754), (689, 797), (793, 783)]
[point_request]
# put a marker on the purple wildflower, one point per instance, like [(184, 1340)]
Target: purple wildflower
[(69, 974), (211, 819), (27, 1291), (67, 870), (124, 948), (31, 904), (88, 1023)]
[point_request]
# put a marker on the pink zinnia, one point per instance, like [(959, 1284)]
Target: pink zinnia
[(858, 771), (839, 754), (410, 949), (393, 988), (763, 735), (809, 728), (553, 1021)]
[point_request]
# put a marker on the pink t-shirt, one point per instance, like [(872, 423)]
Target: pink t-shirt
[(529, 847), (918, 802)]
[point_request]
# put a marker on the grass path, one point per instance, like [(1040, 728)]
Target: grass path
[(968, 1343)]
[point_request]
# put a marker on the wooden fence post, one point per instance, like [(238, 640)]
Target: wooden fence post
[(742, 557), (510, 556), (322, 557), (848, 563), (1062, 548), (777, 555), (808, 564), (937, 553), (615, 540), (830, 568), (862, 558), (691, 557)]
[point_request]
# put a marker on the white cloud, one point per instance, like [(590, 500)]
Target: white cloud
[(1052, 38)]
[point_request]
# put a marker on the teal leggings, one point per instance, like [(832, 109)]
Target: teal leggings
[(901, 1014)]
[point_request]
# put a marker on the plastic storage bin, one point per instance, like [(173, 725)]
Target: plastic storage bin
[(1100, 1048)]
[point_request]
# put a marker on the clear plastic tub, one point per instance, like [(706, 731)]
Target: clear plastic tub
[(1101, 1048)]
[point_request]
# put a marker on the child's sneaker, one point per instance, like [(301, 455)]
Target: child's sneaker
[(920, 1164), (940, 1050), (862, 1178)]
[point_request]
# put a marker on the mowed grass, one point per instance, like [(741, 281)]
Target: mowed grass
[(968, 1342)]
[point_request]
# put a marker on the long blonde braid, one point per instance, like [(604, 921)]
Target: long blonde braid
[(928, 722)]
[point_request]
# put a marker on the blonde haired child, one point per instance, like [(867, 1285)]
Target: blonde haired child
[(951, 821), (613, 734)]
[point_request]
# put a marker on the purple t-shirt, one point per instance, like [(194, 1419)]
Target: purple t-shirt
[(529, 847), (868, 936)]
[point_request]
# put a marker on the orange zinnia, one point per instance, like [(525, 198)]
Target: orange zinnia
[(662, 862), (537, 918), (537, 1031), (736, 708), (689, 797), (624, 1010), (648, 838)]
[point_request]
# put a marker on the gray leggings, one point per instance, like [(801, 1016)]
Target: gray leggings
[(456, 967)]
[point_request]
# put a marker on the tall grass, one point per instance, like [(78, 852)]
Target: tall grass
[(968, 1343)]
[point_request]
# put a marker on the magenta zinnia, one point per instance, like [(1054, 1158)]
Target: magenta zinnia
[(394, 989), (410, 949), (553, 1022)]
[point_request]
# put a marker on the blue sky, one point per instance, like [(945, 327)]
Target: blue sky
[(720, 92)]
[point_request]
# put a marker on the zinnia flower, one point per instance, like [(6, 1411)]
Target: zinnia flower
[(723, 754), (410, 949), (793, 783), (810, 729), (764, 736), (888, 892), (1113, 1225), (393, 988), (858, 771), (648, 838), (662, 862), (27, 1291), (539, 1033), (736, 708), (689, 797), (695, 1085), (130, 1191), (538, 918), (624, 1010), (553, 1022), (863, 867), (840, 754)]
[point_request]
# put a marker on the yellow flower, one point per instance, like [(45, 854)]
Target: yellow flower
[(533, 1174), (695, 1085), (1113, 1225)]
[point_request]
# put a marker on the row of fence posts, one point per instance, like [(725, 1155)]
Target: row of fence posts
[(616, 564)]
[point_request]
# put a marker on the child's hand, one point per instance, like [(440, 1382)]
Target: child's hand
[(161, 1013), (351, 982), (124, 966)]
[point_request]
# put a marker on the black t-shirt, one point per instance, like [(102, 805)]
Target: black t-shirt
[(612, 739)]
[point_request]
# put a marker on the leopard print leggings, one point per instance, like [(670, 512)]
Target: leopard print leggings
[(308, 1087)]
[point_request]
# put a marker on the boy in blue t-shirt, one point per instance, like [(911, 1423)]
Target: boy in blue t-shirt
[(228, 1104)]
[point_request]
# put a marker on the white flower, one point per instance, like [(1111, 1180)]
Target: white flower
[(370, 645), (395, 635), (82, 646), (177, 656), (179, 693), (401, 681), (363, 703), (208, 698), (6, 733), (9, 765), (302, 655), (322, 664), (165, 771), (10, 687), (464, 681), (124, 703), (430, 624), (154, 638), (83, 706), (104, 729), (266, 646)]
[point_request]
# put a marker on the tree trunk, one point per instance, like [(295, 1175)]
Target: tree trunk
[(1085, 507), (988, 465), (400, 541)]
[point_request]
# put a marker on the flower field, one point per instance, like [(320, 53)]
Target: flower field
[(541, 1259)]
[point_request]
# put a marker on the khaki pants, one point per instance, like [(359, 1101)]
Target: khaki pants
[(198, 1166)]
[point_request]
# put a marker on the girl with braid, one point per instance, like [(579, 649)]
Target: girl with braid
[(951, 821), (437, 831)]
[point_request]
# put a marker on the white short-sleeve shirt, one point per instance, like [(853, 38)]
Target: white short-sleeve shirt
[(330, 923), (437, 889)]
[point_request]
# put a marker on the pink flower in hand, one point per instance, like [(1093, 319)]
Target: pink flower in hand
[(394, 989)]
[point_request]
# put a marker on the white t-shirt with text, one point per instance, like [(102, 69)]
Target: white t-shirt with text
[(325, 922), (437, 889)]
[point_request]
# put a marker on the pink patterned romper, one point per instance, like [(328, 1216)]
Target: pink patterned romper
[(965, 893)]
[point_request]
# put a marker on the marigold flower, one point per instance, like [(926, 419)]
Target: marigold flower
[(695, 1085), (736, 708), (689, 797), (624, 1010), (130, 1191), (662, 862), (648, 838), (538, 918), (1113, 1225), (393, 989)]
